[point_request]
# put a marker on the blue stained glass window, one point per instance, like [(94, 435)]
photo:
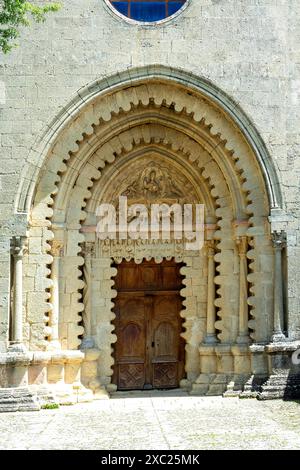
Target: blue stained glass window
[(148, 10)]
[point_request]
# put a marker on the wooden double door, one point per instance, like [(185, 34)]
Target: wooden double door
[(149, 352)]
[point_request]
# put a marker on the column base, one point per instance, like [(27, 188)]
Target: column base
[(45, 396), (54, 346), (210, 340), (243, 339), (87, 343), (17, 348), (201, 385), (210, 385), (185, 384), (18, 399), (236, 387), (218, 385), (279, 338)]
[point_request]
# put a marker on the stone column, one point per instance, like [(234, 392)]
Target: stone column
[(211, 337), (18, 249), (88, 341), (279, 242), (56, 251), (243, 336)]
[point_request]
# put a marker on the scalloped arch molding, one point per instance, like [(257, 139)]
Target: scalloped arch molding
[(110, 128), (87, 94)]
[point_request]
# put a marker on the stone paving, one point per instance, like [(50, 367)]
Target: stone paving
[(156, 421)]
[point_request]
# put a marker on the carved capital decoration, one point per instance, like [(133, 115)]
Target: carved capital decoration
[(279, 240), (88, 249), (210, 246), (56, 248), (19, 247), (242, 245)]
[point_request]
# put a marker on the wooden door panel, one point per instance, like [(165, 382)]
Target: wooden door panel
[(171, 278), (149, 351), (165, 375), (132, 343), (167, 353), (128, 277), (165, 342), (131, 376), (130, 349), (150, 277)]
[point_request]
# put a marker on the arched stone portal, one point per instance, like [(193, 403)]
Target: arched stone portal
[(195, 138)]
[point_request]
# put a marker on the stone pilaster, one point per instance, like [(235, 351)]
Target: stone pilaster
[(16, 341), (211, 337), (279, 242), (243, 336), (56, 251), (88, 252)]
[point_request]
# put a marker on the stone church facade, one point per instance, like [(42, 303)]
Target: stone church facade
[(201, 107)]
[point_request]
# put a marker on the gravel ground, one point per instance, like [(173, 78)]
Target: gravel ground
[(157, 421)]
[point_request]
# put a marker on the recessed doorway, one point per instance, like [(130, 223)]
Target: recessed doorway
[(149, 352)]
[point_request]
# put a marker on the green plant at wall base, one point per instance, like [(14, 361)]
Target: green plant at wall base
[(17, 13), (50, 406)]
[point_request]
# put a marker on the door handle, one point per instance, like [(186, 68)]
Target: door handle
[(153, 344)]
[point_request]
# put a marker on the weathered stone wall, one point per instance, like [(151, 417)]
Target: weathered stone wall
[(249, 48)]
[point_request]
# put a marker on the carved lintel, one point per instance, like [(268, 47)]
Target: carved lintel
[(279, 240), (142, 249)]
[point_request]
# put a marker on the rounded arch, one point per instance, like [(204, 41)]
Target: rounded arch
[(198, 131), (193, 84)]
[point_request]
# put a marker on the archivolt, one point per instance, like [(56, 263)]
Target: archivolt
[(86, 97), (182, 125)]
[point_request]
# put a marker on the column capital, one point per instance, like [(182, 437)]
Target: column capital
[(242, 243), (88, 249), (210, 246), (279, 239), (56, 248), (210, 229), (19, 247)]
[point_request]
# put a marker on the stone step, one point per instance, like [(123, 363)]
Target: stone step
[(18, 399)]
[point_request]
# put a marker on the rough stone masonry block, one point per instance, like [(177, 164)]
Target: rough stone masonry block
[(18, 399)]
